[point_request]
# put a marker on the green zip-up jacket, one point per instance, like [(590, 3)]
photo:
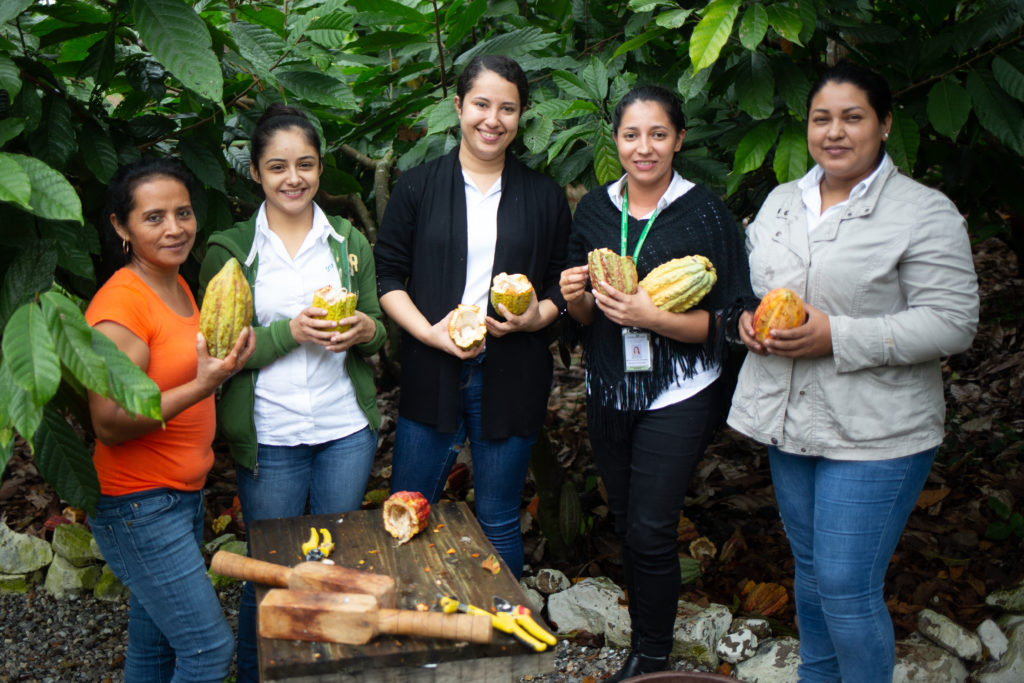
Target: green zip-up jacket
[(235, 421)]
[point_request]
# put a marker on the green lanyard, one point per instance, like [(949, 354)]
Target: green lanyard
[(625, 219)]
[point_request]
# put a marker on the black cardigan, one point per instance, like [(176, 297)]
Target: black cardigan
[(421, 248)]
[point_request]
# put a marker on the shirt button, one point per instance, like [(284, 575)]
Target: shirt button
[(803, 450), (802, 392), (775, 442)]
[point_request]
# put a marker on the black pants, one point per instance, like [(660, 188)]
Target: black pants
[(646, 477)]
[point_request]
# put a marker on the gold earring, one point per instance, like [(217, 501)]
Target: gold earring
[(126, 247)]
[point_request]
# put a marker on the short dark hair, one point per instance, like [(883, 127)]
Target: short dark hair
[(506, 67), (277, 117), (874, 86), (650, 93)]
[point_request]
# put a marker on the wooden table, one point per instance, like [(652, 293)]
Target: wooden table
[(443, 559)]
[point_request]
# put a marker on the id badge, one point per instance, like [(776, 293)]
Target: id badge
[(636, 350)]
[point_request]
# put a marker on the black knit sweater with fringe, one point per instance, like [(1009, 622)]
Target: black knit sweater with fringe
[(698, 222)]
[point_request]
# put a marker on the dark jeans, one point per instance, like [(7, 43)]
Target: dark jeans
[(646, 476)]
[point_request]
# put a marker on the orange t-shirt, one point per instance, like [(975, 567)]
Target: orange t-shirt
[(180, 455)]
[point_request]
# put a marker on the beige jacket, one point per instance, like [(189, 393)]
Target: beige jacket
[(893, 271)]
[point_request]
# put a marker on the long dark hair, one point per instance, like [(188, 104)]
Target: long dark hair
[(280, 117)]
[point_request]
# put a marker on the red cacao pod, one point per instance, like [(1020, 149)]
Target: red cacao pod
[(405, 514)]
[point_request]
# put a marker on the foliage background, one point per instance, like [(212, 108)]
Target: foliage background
[(86, 85)]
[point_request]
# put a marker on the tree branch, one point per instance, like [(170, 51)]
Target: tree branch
[(440, 50)]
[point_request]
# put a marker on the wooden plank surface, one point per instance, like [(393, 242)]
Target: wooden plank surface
[(444, 559)]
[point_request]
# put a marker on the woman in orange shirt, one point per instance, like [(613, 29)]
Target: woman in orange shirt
[(149, 520)]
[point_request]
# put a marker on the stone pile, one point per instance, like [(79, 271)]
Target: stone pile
[(706, 637)]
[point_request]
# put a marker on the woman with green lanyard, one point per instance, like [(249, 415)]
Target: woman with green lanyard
[(654, 396)]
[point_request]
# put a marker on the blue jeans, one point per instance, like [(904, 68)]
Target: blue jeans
[(331, 475), (424, 456), (176, 628), (843, 519)]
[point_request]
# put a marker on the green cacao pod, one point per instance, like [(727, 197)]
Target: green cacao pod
[(515, 291), (678, 285), (226, 309), (618, 271), (466, 327), (339, 304)]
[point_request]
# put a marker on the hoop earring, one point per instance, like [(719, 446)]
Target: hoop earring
[(126, 247)]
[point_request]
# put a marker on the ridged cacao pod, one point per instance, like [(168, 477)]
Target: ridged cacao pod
[(226, 309), (466, 327), (618, 271), (765, 599), (339, 304), (679, 284), (405, 514), (514, 291), (780, 309)]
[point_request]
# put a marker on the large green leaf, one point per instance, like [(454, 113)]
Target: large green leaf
[(10, 76), (30, 273), (754, 147), (17, 406), (101, 60), (64, 461), (54, 141), (442, 116), (949, 105), (673, 19), (461, 17), (12, 8), (332, 31), (72, 339), (98, 152), (999, 114), (318, 87), (10, 129), (260, 46), (595, 75), (1009, 73), (753, 26), (177, 37), (566, 138), (29, 353), (712, 32), (790, 161), (73, 245), (15, 186), (785, 21), (538, 134), (638, 41), (203, 162), (52, 195), (513, 44), (755, 87), (606, 158), (127, 384), (904, 140), (572, 85)]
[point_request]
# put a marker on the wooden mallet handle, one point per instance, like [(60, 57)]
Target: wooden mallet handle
[(241, 567), (475, 628)]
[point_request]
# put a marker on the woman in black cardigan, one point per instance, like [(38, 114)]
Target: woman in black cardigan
[(654, 387), (450, 226)]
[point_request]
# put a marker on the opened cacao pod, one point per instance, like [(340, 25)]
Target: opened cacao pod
[(679, 284), (618, 271), (405, 514), (226, 309), (515, 291), (339, 304), (780, 309), (466, 327)]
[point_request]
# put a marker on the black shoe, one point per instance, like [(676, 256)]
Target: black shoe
[(637, 664)]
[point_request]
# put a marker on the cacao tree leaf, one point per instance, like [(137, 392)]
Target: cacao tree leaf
[(567, 137), (904, 139), (10, 129), (755, 86), (753, 26), (203, 162), (999, 114), (147, 76), (442, 116), (127, 384), (754, 147), (15, 186), (30, 273), (332, 31), (178, 38), (792, 84), (238, 157), (150, 127), (64, 462), (538, 134), (12, 8), (318, 87), (10, 76), (461, 18), (390, 12), (638, 41), (785, 21), (673, 19), (54, 141), (712, 32), (52, 195), (72, 339), (29, 353), (595, 75), (264, 15), (73, 245), (22, 412), (606, 157), (572, 85), (98, 152), (100, 60), (949, 106), (260, 46), (29, 108), (648, 6), (790, 161), (514, 44), (567, 169), (6, 445), (690, 84), (380, 41), (1010, 75)]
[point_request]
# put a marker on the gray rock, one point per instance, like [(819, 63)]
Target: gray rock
[(760, 627), (109, 587), (586, 606), (737, 646), (22, 553), (918, 660), (993, 638), (944, 632), (64, 579), (535, 601), (19, 583), (776, 661), (618, 629), (1010, 667), (550, 581), (697, 632), (75, 544), (1011, 600), (213, 546)]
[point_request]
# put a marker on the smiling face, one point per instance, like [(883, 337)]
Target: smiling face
[(844, 133), (646, 141), (161, 226), (289, 173), (489, 117)]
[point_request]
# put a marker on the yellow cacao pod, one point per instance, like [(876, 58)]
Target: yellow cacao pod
[(466, 327), (515, 291), (679, 284), (226, 309), (339, 304), (780, 309), (607, 266)]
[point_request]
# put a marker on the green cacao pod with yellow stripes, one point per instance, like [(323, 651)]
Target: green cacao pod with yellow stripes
[(681, 283), (226, 309)]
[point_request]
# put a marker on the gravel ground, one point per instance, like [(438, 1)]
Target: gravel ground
[(46, 640)]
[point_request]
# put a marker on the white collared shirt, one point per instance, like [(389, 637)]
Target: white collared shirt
[(481, 238), (810, 192), (682, 388), (304, 397)]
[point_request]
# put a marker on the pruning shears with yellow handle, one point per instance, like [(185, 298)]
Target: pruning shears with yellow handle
[(503, 621), (523, 616), (319, 546)]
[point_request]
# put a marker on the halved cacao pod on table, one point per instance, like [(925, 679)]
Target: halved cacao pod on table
[(780, 309), (339, 304), (405, 514), (514, 291), (618, 271), (226, 309), (681, 283), (466, 327)]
